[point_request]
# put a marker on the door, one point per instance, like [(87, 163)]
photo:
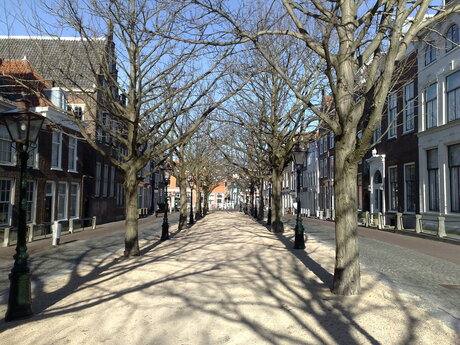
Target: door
[(49, 198)]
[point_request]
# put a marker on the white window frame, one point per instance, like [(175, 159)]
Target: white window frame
[(97, 180), (73, 157), (77, 200), (57, 166), (53, 197), (10, 201), (105, 183), (410, 101), (434, 101), (390, 190), (66, 199), (74, 107), (392, 115), (405, 188), (33, 202), (6, 140)]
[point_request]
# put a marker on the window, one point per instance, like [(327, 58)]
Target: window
[(5, 201), (409, 106), (377, 133), (454, 174), (331, 139), (139, 197), (62, 200), (430, 53), (360, 191), (6, 147), (30, 197), (433, 180), (120, 194), (32, 162), (452, 37), (72, 154), (410, 187), (74, 198), (431, 106), (56, 150), (97, 182), (453, 96), (392, 112), (331, 167), (106, 180), (78, 110), (393, 181), (112, 181)]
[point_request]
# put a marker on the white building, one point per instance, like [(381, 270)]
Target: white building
[(439, 123)]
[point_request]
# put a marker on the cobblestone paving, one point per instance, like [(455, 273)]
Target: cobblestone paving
[(406, 270)]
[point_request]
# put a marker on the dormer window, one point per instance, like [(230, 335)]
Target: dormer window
[(452, 37), (57, 96), (430, 53)]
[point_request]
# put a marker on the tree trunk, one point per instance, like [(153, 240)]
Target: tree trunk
[(260, 213), (183, 202), (346, 271), (277, 178), (205, 202), (198, 201), (131, 233)]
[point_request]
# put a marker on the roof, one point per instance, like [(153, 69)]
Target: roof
[(13, 73), (57, 57)]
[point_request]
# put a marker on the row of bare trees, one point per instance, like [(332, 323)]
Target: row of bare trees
[(179, 61)]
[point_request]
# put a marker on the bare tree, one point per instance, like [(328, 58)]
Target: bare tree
[(129, 83), (358, 45)]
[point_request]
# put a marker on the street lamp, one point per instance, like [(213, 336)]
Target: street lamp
[(191, 221), (269, 213), (23, 127), (299, 159), (165, 225)]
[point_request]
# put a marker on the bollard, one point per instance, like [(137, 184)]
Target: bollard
[(56, 232), (418, 223), (71, 226), (30, 228), (399, 221), (333, 214), (320, 215), (6, 237), (93, 226), (366, 219), (441, 226), (328, 213), (308, 212), (379, 221)]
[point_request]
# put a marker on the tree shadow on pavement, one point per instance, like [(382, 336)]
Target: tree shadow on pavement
[(226, 280)]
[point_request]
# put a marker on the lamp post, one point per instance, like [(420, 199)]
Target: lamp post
[(299, 159), (191, 221), (269, 213), (165, 225), (23, 127)]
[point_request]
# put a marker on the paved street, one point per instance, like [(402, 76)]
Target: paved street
[(409, 264), (226, 280), (77, 249)]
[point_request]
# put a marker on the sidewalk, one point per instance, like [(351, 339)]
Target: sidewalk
[(226, 280)]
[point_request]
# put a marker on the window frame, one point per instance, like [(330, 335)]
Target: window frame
[(105, 182), (392, 115), (77, 200), (57, 166), (449, 92), (451, 41), (434, 102), (406, 188), (31, 213), (65, 199), (10, 201), (409, 103), (393, 190), (72, 157), (5, 141), (451, 185), (430, 53), (435, 190)]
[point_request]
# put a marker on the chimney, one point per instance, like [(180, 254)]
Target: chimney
[(22, 103)]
